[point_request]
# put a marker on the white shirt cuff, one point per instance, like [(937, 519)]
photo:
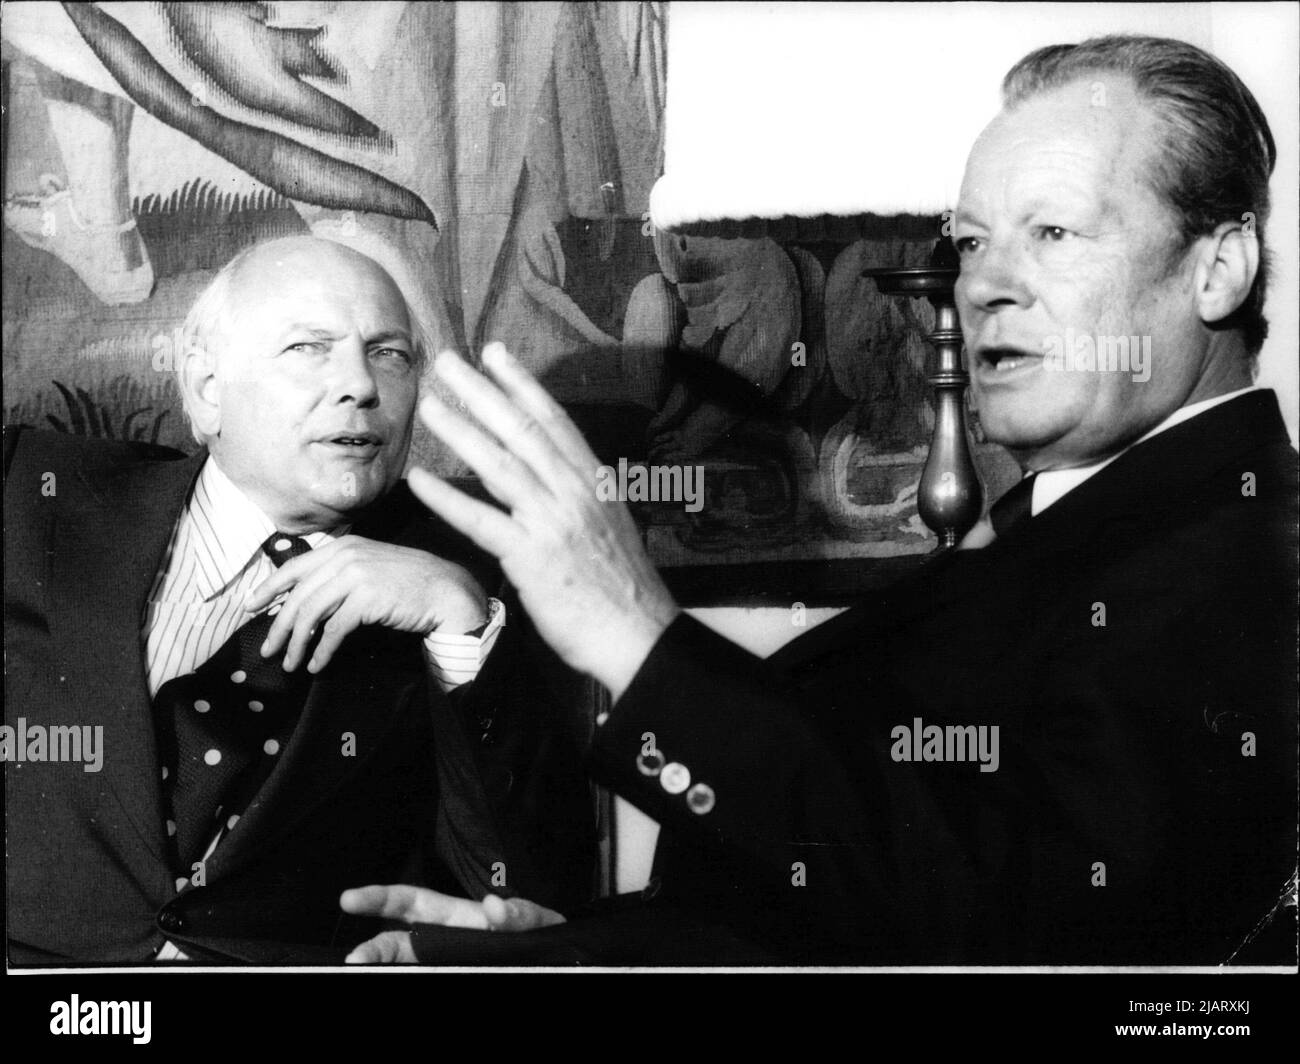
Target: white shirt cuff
[(457, 659)]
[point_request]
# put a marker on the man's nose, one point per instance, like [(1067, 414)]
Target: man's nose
[(352, 376), (997, 277)]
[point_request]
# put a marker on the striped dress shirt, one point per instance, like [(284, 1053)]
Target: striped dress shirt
[(215, 559)]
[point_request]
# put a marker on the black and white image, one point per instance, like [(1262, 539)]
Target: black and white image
[(633, 485)]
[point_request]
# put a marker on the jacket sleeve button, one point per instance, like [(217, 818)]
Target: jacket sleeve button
[(701, 798), (675, 778), (650, 764)]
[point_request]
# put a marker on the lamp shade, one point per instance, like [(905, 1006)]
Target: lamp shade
[(801, 110)]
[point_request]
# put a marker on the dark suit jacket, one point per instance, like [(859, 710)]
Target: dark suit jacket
[(1143, 810), (486, 780)]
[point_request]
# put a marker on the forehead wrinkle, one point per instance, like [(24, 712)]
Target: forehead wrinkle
[(265, 284), (318, 331), (1094, 155)]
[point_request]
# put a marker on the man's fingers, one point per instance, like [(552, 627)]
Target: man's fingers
[(517, 914), (389, 947), (413, 905), (487, 526), (522, 431), (346, 619), (295, 618), (299, 617), (400, 902), (316, 606), (266, 591), (392, 903), (280, 630), (507, 477), (522, 387), (292, 572)]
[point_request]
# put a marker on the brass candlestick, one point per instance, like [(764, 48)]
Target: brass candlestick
[(950, 497)]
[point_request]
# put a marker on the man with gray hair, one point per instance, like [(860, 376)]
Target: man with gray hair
[(1124, 622), (299, 679)]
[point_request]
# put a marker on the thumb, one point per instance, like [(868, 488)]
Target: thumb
[(390, 947)]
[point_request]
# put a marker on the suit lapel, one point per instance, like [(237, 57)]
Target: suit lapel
[(1166, 471), (109, 545)]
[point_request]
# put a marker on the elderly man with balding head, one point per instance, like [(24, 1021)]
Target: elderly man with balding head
[(299, 681)]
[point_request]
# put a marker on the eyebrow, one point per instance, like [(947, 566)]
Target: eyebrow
[(388, 335), (1062, 197), (315, 332), (1069, 200)]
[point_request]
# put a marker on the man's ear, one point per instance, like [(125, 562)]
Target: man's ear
[(1227, 261), (200, 389)]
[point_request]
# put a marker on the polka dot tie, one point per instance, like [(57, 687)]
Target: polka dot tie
[(221, 729)]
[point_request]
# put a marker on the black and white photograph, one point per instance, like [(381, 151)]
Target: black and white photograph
[(759, 491)]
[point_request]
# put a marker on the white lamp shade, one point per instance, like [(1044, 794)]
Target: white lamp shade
[(802, 110)]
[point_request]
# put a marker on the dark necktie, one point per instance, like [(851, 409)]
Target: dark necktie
[(1013, 507), (221, 728)]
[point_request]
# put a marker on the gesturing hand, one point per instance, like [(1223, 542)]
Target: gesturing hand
[(353, 581), (576, 561), (419, 905)]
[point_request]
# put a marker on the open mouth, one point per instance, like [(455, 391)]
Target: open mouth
[(354, 441), (1006, 359)]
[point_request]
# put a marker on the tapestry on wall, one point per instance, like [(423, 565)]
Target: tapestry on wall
[(497, 159)]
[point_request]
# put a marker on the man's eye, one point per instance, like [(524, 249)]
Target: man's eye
[(392, 352), (966, 244), (1054, 233), (308, 347)]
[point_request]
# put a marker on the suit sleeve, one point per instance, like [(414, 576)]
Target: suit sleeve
[(516, 815), (515, 812), (708, 741), (1124, 826)]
